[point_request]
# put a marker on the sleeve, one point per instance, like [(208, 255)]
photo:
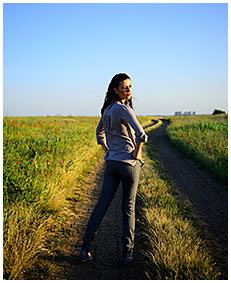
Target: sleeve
[(128, 115), (100, 133)]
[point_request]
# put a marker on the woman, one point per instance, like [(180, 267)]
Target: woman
[(121, 136)]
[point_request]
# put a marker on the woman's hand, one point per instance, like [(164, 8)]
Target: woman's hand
[(137, 153), (105, 148)]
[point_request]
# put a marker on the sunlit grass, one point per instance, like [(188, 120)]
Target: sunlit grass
[(46, 161), (204, 139)]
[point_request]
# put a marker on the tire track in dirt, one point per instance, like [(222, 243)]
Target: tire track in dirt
[(106, 247), (208, 198)]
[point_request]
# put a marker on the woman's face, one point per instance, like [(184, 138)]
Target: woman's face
[(124, 90)]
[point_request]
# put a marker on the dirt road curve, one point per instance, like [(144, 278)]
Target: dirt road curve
[(209, 199)]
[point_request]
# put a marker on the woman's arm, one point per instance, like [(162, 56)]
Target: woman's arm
[(100, 133), (105, 148), (137, 153), (127, 114)]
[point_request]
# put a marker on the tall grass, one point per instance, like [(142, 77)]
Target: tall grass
[(204, 139), (46, 161), (173, 247)]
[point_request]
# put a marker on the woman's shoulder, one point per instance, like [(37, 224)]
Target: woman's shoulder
[(120, 106)]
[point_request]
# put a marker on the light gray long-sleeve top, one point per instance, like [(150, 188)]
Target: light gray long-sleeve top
[(120, 130)]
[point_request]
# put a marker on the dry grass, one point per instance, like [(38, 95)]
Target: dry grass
[(23, 241), (34, 231)]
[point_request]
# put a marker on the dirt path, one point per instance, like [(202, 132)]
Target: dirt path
[(107, 246), (208, 199)]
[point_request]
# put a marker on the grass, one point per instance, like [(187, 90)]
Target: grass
[(173, 246), (46, 161), (204, 139)]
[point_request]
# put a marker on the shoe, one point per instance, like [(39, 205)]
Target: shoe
[(84, 256), (128, 260)]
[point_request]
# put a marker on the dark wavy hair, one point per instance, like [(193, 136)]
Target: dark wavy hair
[(111, 96)]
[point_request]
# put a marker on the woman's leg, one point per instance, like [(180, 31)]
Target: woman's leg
[(110, 185), (130, 181)]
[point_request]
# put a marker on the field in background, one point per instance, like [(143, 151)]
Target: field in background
[(204, 139), (46, 162)]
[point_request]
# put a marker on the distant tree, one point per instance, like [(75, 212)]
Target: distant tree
[(216, 112)]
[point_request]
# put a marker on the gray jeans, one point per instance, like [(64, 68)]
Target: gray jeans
[(115, 172)]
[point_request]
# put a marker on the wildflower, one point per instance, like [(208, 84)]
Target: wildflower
[(51, 147), (45, 149), (9, 186), (36, 133), (18, 162), (190, 143), (5, 156), (48, 161), (210, 150)]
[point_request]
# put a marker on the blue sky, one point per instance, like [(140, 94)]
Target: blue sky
[(60, 58)]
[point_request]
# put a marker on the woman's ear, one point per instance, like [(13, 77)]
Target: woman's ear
[(115, 90)]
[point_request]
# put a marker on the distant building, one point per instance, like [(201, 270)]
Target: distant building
[(186, 113)]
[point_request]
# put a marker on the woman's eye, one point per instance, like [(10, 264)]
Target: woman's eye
[(125, 87)]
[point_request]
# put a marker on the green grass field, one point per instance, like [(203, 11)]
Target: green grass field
[(204, 139), (46, 161)]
